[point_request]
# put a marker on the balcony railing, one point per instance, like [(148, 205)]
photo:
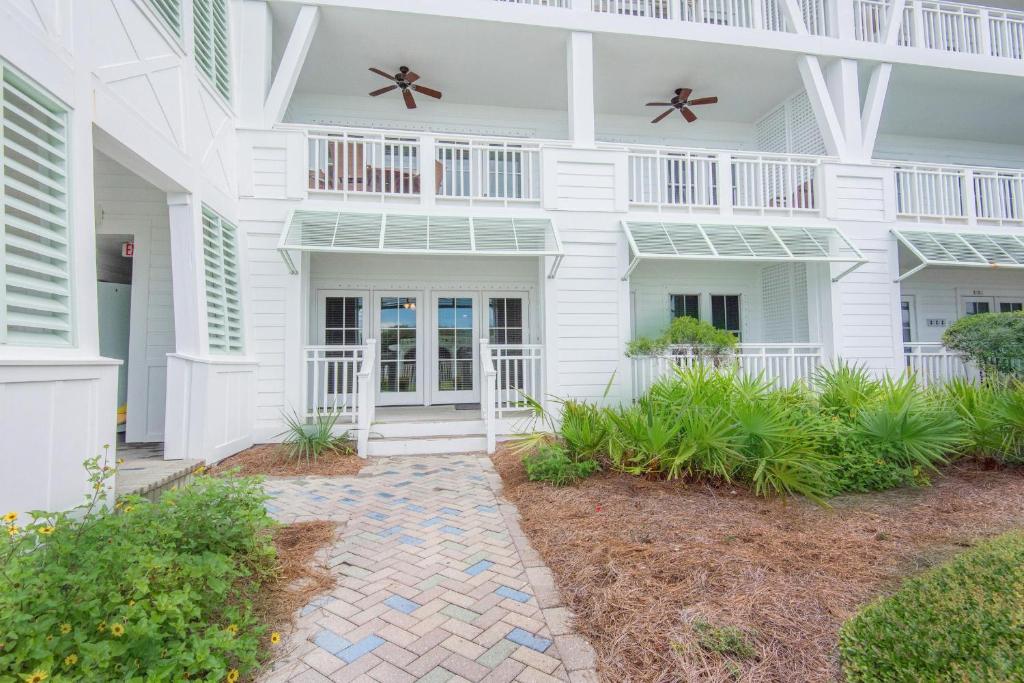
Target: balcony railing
[(481, 169), (781, 364), (946, 26), (510, 373), (361, 163), (339, 380), (929, 193), (760, 14), (935, 364), (735, 181)]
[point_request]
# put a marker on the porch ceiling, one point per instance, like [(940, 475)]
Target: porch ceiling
[(716, 242), (390, 233), (964, 249)]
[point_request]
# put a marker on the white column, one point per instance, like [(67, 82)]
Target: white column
[(725, 183), (253, 57), (843, 83), (581, 88), (842, 19), (189, 288), (428, 170)]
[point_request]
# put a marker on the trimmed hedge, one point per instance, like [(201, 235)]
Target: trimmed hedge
[(994, 341), (962, 621)]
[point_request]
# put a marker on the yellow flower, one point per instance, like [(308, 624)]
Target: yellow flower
[(200, 469), (65, 628), (71, 659), (116, 630), (46, 530), (12, 531), (101, 627), (131, 603), (233, 629), (10, 517), (128, 508), (37, 676), (232, 676), (275, 638), (120, 461)]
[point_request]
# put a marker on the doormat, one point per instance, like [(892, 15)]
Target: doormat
[(467, 406)]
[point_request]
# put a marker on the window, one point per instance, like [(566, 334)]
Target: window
[(725, 312), (35, 282), (505, 320), (223, 290), (1010, 306), (169, 12), (211, 43), (343, 320), (687, 305), (976, 307), (906, 322)]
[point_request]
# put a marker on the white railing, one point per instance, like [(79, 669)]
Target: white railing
[(762, 14), (781, 364), (949, 26), (655, 9), (930, 192), (680, 179), (339, 380), (673, 178), (871, 21), (935, 364), (1006, 33), (774, 182), (961, 194), (486, 169), (519, 372), (364, 163), (946, 26), (542, 3)]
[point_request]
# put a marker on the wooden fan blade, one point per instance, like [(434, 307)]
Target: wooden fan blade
[(386, 75), (702, 100), (409, 101), (688, 115), (429, 92), (387, 88), (659, 118), (659, 104), (412, 77), (685, 92)]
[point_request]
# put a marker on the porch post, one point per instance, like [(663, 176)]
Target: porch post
[(581, 88), (428, 170), (187, 274)]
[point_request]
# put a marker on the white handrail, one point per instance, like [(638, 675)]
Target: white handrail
[(367, 390), (488, 398), (338, 380), (932, 192), (933, 363), (351, 163), (491, 169)]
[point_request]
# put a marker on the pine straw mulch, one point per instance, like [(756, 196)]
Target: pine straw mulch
[(271, 460), (639, 561), (301, 574)]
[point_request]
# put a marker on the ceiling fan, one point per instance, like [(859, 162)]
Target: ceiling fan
[(404, 80), (682, 103)]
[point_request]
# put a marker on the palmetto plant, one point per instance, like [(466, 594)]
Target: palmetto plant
[(308, 441)]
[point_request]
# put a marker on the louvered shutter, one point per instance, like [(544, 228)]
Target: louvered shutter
[(223, 286), (35, 280), (211, 43), (169, 12)]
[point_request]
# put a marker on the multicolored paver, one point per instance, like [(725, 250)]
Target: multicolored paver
[(436, 582)]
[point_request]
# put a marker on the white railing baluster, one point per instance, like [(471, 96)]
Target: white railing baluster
[(959, 194)]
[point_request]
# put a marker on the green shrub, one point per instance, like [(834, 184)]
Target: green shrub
[(553, 465), (958, 622), (727, 641), (994, 341), (584, 429), (993, 417), (147, 591), (685, 331), (309, 441)]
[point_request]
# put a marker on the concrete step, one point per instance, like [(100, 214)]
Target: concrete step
[(394, 430), (426, 445)]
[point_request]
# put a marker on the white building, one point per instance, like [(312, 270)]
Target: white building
[(299, 244)]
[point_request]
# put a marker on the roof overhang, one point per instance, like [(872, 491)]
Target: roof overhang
[(961, 249), (345, 232), (739, 243)]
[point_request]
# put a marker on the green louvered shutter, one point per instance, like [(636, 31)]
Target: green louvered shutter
[(35, 273), (211, 43), (223, 289), (169, 12)]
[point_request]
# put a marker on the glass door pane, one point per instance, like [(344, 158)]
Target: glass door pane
[(399, 350), (456, 337)]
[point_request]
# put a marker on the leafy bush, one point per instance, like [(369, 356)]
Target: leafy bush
[(553, 465), (723, 640), (958, 622), (994, 341), (309, 441), (993, 416), (146, 591), (705, 338)]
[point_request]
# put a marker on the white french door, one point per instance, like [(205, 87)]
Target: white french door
[(455, 342), (398, 326)]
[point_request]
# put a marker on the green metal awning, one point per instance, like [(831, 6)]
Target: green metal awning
[(716, 242), (387, 233), (964, 249)]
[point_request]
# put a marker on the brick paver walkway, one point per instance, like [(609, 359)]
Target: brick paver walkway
[(435, 582)]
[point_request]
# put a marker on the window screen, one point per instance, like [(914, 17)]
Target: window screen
[(725, 312), (223, 288)]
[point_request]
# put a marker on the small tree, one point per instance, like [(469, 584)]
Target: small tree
[(705, 338), (993, 341)]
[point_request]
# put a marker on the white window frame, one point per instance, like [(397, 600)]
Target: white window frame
[(46, 253)]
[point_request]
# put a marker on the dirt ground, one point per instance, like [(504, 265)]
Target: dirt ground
[(270, 460), (647, 566)]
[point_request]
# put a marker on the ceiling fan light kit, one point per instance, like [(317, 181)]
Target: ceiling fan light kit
[(406, 81), (681, 102)]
